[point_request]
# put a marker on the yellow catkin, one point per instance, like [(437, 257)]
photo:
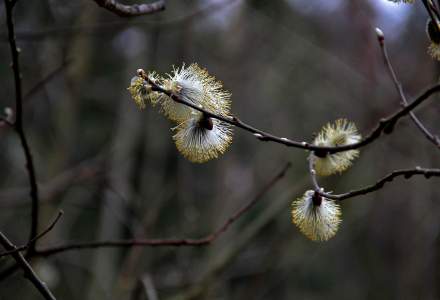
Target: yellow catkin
[(341, 133), (318, 222)]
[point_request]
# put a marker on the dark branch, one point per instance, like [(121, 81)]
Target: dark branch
[(406, 173), (430, 11), (39, 236), (312, 173), (431, 137), (131, 10), (385, 125), (110, 27), (45, 80), (169, 242), (4, 120), (18, 125), (28, 271)]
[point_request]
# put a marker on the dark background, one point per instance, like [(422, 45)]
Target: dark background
[(292, 66)]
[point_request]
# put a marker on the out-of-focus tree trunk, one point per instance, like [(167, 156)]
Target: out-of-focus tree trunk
[(113, 217)]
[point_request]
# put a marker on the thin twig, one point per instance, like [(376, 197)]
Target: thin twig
[(429, 9), (39, 236), (385, 125), (312, 173), (431, 137), (169, 242), (406, 173), (110, 27), (4, 120), (131, 10), (150, 289), (18, 125), (45, 80), (28, 271)]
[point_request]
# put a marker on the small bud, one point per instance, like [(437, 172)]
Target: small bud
[(8, 112), (304, 143), (141, 92), (379, 34), (284, 139), (258, 136)]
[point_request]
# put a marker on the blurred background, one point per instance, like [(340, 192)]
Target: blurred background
[(292, 66)]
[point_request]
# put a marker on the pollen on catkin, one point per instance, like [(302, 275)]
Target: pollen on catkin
[(341, 133), (200, 139), (194, 85), (317, 217), (141, 92)]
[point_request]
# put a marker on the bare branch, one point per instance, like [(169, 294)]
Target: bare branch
[(431, 137), (430, 9), (169, 242), (312, 173), (39, 236), (406, 173), (131, 10), (385, 125), (110, 27), (28, 271), (18, 125)]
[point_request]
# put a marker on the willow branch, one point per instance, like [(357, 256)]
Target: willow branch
[(102, 28), (24, 265), (385, 125), (18, 125), (430, 11), (133, 10), (312, 173), (39, 236), (431, 137), (406, 173), (170, 242)]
